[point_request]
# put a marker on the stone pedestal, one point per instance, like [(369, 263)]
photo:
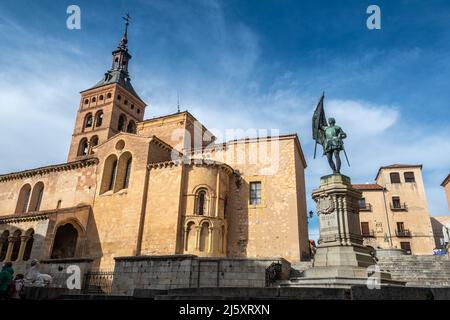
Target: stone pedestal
[(341, 259), (340, 242)]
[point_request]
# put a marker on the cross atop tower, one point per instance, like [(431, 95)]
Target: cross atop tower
[(124, 40)]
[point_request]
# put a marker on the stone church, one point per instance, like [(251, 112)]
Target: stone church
[(161, 186)]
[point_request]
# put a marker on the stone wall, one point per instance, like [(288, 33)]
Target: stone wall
[(57, 268), (188, 271)]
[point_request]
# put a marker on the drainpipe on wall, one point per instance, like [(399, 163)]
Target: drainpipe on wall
[(386, 211)]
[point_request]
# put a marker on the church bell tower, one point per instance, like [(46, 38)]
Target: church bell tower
[(109, 107)]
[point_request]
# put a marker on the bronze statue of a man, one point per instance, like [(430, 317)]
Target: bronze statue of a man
[(330, 136)]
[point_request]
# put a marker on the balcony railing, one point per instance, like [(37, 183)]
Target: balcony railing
[(403, 233), (399, 207), (368, 233), (365, 207)]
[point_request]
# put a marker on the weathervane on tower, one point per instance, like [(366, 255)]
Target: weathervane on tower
[(124, 40)]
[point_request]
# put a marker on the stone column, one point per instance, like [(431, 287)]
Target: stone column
[(212, 237), (197, 237), (23, 244), (11, 240)]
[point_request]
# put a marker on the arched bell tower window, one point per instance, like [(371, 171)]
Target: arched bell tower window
[(131, 128), (83, 147), (88, 121), (122, 122), (99, 118), (94, 141)]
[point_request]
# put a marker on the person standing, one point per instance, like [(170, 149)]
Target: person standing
[(6, 276)]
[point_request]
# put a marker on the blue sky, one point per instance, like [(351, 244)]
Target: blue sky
[(240, 64)]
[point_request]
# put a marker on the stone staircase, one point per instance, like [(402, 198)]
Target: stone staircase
[(418, 271)]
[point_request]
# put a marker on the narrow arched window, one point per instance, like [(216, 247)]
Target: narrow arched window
[(109, 174), (123, 171), (83, 147), (16, 245), (203, 244), (36, 197), (24, 198), (121, 124), (201, 202), (126, 181), (98, 118), (88, 121), (28, 245), (131, 128), (112, 179), (4, 244), (94, 141)]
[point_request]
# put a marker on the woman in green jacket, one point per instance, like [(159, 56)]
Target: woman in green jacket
[(6, 276)]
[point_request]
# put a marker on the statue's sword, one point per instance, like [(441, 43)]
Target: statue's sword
[(345, 154)]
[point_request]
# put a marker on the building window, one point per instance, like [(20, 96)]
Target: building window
[(365, 230), (28, 245), (108, 96), (100, 97), (36, 197), (396, 204), (138, 111), (395, 177), (131, 128), (94, 141), (362, 203), (88, 121), (125, 102), (123, 171), (86, 101), (132, 107), (109, 174), (93, 99), (99, 118), (406, 246), (24, 198), (409, 177), (121, 124), (83, 147), (16, 245), (255, 193), (119, 97), (113, 176), (201, 205), (4, 244), (400, 226), (203, 244)]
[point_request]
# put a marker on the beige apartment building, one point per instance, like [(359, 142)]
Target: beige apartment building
[(394, 210), (134, 187), (446, 185)]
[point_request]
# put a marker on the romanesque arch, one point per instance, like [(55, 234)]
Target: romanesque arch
[(4, 244), (65, 242), (109, 174), (191, 237), (203, 245), (36, 197), (24, 198)]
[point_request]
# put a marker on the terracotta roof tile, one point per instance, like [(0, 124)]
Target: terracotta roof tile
[(368, 186)]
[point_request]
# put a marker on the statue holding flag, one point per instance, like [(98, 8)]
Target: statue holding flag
[(329, 135)]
